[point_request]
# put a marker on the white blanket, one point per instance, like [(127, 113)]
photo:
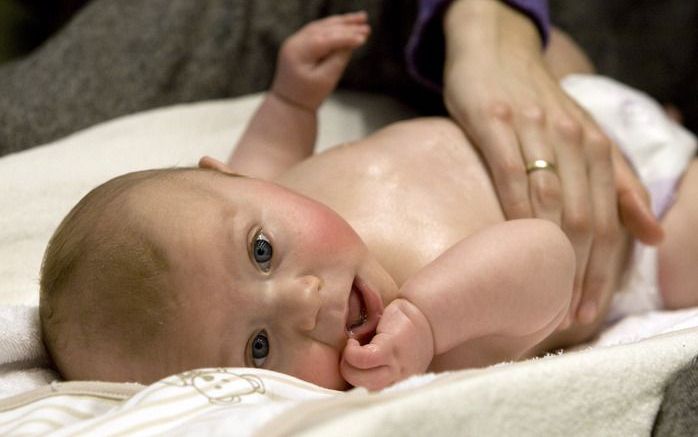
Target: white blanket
[(601, 391), (23, 361), (598, 392)]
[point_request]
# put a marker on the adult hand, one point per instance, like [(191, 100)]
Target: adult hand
[(403, 346), (498, 88)]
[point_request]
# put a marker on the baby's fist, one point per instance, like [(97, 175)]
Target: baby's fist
[(403, 346), (312, 60)]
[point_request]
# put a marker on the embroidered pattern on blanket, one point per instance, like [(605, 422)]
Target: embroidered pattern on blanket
[(219, 386), (239, 396)]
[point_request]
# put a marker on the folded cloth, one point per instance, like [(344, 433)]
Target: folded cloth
[(637, 327), (24, 364)]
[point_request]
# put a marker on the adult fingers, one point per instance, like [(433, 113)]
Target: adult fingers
[(543, 184), (566, 133), (634, 203), (607, 236), (491, 131)]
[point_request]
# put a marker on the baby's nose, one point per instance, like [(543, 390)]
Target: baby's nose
[(304, 299)]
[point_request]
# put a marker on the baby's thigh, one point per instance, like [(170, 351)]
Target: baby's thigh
[(678, 253)]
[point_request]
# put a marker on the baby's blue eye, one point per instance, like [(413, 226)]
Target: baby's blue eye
[(259, 348), (262, 251)]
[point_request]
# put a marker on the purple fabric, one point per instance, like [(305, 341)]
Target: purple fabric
[(425, 49)]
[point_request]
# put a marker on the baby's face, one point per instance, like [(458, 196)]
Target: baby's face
[(268, 278)]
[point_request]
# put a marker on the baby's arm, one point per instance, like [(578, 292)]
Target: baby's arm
[(510, 280), (282, 132)]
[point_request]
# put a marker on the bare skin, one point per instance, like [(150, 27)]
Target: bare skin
[(466, 287), (508, 100), (413, 266), (385, 186), (391, 205), (446, 261)]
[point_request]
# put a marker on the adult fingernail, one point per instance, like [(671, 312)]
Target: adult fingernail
[(587, 312)]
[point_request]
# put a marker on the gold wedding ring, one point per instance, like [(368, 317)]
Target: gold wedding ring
[(539, 164)]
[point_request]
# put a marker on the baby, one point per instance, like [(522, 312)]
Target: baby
[(358, 266)]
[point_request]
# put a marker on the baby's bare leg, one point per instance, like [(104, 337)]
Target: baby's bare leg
[(678, 253), (563, 56)]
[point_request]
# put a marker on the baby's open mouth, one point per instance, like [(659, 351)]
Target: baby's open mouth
[(357, 309), (359, 323)]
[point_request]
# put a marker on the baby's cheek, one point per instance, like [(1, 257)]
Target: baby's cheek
[(326, 230), (320, 366)]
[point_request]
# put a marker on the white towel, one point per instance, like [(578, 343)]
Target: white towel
[(23, 360)]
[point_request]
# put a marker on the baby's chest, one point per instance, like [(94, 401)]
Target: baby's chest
[(409, 224), (408, 200)]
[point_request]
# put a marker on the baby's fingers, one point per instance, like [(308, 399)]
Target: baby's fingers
[(364, 357), (372, 379), (357, 369), (340, 38), (358, 17), (324, 38)]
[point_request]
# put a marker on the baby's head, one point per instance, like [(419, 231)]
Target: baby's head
[(105, 281), (162, 271)]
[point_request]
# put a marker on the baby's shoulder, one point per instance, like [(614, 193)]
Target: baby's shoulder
[(427, 140), (420, 132)]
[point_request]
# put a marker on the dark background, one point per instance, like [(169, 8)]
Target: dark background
[(649, 44), (24, 24)]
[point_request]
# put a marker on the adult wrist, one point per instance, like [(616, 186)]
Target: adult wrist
[(425, 51), (472, 26), (482, 15)]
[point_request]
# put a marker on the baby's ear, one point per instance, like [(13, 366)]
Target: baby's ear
[(209, 163)]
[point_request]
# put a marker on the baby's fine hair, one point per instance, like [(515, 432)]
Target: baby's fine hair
[(103, 277)]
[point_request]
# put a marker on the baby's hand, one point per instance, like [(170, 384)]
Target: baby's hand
[(312, 60), (403, 346)]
